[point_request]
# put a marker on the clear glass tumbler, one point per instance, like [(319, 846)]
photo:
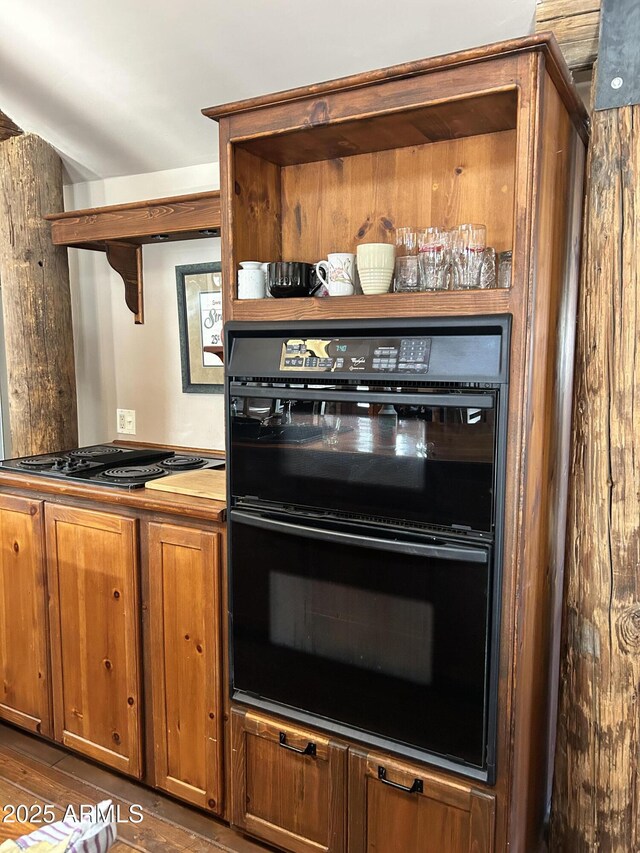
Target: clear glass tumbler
[(504, 269), (487, 278), (433, 258), (406, 241), (470, 242), (406, 268), (406, 275)]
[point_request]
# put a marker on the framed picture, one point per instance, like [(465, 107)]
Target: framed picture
[(200, 321)]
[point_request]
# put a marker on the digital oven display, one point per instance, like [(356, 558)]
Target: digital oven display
[(354, 355)]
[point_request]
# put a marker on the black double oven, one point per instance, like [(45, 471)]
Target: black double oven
[(366, 480)]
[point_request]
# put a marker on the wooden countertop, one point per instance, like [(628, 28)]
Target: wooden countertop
[(141, 499)]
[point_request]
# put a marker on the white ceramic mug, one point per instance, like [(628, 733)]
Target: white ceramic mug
[(375, 266), (338, 273), (251, 284)]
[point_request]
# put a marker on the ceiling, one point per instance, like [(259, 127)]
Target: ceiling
[(117, 87)]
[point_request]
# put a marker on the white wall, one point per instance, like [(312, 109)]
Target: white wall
[(119, 364)]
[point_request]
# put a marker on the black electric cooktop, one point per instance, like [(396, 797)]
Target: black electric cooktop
[(109, 465)]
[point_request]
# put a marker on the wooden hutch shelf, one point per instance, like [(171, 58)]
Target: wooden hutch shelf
[(494, 135), (120, 230), (388, 304)]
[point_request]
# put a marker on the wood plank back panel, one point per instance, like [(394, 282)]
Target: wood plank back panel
[(185, 639), (365, 197), (24, 643), (292, 800), (93, 582), (446, 817)]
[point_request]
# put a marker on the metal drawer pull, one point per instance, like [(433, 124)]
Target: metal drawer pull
[(310, 748), (416, 788)]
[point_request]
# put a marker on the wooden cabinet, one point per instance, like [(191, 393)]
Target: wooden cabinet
[(93, 582), (185, 638), (24, 648), (398, 806), (493, 135), (288, 784)]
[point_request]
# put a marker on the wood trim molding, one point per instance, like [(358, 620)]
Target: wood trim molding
[(576, 26), (543, 42)]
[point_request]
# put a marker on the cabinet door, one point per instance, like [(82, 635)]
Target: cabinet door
[(184, 620), (92, 559), (398, 806), (24, 650), (288, 785)]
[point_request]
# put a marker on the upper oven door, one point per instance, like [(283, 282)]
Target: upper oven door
[(419, 456)]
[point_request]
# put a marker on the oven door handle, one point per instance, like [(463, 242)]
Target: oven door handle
[(414, 549), (475, 401)]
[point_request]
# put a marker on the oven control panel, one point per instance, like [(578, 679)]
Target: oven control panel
[(356, 355)]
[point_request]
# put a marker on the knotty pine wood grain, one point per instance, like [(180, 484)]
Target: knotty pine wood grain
[(596, 803), (93, 585), (184, 615), (36, 301), (365, 197), (25, 681)]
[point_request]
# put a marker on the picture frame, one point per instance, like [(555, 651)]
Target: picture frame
[(199, 291)]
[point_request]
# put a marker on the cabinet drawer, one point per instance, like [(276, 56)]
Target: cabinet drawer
[(398, 806), (288, 784)]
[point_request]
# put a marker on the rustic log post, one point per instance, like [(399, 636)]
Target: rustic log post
[(36, 301), (596, 803)]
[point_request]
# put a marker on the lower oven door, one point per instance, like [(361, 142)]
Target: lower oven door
[(379, 636)]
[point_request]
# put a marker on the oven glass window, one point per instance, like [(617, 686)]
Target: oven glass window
[(388, 643), (428, 464)]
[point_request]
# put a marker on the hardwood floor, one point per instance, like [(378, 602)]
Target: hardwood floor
[(35, 772)]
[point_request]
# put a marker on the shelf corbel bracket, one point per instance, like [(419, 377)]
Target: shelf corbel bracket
[(126, 260)]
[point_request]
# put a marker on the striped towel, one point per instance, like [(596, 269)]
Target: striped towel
[(94, 835)]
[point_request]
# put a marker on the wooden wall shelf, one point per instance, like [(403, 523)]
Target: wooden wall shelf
[(120, 230)]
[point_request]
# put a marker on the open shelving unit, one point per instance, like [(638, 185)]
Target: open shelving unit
[(121, 230), (493, 135)]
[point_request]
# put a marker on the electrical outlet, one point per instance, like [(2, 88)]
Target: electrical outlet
[(126, 421)]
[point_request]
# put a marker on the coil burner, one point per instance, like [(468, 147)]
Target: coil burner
[(183, 463), (38, 463), (132, 473), (89, 452)]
